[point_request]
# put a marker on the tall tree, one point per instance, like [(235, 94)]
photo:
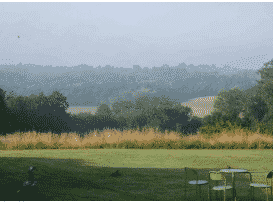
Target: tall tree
[(40, 113), (254, 112), (266, 73), (19, 112), (53, 109), (259, 107), (154, 112), (230, 103), (104, 118), (264, 101), (6, 117)]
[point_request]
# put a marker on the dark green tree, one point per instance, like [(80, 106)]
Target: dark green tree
[(230, 104), (105, 118), (255, 112), (178, 117), (52, 113), (266, 73), (194, 125), (40, 113), (265, 85), (157, 112), (19, 111), (216, 119), (259, 105), (6, 116)]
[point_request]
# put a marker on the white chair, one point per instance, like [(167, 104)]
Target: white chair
[(217, 176)]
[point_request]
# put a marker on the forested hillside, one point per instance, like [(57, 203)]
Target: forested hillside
[(48, 113), (88, 86)]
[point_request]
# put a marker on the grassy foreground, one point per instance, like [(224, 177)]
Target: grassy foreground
[(147, 175), (150, 163)]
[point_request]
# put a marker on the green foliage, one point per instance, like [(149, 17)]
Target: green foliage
[(255, 105), (266, 73), (230, 103), (192, 127), (176, 116), (255, 111), (156, 112), (103, 110), (217, 123), (105, 117), (259, 99), (266, 100), (6, 121), (41, 113), (41, 145)]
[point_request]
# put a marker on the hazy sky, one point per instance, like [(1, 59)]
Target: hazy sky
[(145, 34)]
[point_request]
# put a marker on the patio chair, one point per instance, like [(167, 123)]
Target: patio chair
[(29, 190), (194, 182), (261, 185), (32, 180), (217, 176)]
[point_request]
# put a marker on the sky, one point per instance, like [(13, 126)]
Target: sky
[(136, 33)]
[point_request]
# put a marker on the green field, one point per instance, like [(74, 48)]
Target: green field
[(145, 174)]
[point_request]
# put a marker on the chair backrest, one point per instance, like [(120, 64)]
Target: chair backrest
[(217, 176), (192, 170), (259, 176)]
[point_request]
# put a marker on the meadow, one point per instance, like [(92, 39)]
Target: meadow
[(151, 163)]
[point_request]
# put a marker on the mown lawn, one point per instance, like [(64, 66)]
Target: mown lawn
[(76, 179)]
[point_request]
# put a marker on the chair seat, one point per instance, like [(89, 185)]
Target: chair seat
[(260, 185), (29, 183), (199, 182), (221, 188)]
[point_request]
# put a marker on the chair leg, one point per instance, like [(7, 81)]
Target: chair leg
[(186, 180), (270, 186), (208, 193), (185, 190), (196, 190), (252, 193), (200, 192)]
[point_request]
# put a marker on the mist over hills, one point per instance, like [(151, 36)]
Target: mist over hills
[(84, 85)]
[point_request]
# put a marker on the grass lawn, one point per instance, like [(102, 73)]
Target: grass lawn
[(87, 174)]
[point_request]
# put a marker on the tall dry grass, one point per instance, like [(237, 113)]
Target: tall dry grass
[(239, 138)]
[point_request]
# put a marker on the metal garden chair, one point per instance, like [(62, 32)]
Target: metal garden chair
[(217, 176), (261, 185), (195, 183)]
